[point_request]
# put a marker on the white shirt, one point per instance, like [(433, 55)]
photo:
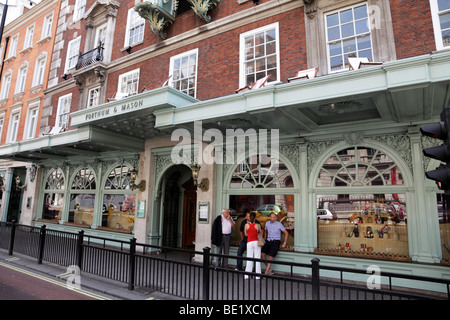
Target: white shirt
[(226, 225)]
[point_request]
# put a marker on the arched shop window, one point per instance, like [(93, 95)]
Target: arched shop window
[(82, 198), (361, 205), (119, 201), (53, 196), (262, 184)]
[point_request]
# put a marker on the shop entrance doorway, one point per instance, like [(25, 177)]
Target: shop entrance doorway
[(15, 197), (179, 199)]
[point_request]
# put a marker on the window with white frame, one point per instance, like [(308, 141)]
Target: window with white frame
[(183, 72), (259, 55), (129, 83), (135, 28), (440, 12), (13, 46), (93, 97), (47, 26), (2, 122), (100, 35), (80, 7), (39, 70), (62, 117), (29, 37), (14, 126), (31, 124), (348, 35), (22, 78), (6, 85), (73, 50)]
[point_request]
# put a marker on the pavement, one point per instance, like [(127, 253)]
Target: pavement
[(103, 288)]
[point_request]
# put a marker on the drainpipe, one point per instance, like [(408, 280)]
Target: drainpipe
[(2, 26)]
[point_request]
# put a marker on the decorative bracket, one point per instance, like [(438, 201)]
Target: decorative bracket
[(201, 8), (156, 14)]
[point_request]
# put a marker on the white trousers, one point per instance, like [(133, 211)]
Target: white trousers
[(253, 251)]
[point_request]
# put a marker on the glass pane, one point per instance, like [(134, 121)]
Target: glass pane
[(333, 34), (446, 38), (445, 21), (55, 180), (360, 12), (443, 5), (365, 54), (335, 49), (363, 42), (270, 35), (349, 45), (53, 205), (249, 53), (362, 26), (359, 167), (270, 48), (84, 179), (332, 20), (363, 225), (282, 205), (443, 209), (347, 30), (260, 64), (118, 212), (81, 210), (336, 63), (118, 179), (346, 16)]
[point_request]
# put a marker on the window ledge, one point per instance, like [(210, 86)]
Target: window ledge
[(132, 45), (9, 59), (43, 40), (25, 50), (35, 89), (19, 95)]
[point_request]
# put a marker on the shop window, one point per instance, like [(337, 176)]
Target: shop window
[(53, 196), (119, 201), (443, 202), (369, 221), (82, 198), (264, 185)]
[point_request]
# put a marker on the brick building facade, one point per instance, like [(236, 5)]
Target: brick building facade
[(119, 88)]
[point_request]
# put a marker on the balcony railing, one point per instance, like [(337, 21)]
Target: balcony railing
[(90, 57)]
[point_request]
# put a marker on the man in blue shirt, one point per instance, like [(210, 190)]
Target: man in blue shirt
[(273, 230)]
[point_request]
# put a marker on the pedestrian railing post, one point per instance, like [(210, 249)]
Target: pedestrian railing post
[(11, 238), (206, 263), (132, 263), (42, 234), (315, 279), (79, 253)]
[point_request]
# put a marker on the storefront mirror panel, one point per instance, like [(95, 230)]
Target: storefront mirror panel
[(363, 225)]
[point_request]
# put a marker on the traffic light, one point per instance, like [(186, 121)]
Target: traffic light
[(441, 131)]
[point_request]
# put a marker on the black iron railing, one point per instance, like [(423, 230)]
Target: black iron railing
[(174, 271), (90, 57)]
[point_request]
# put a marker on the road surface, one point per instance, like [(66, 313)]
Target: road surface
[(19, 284)]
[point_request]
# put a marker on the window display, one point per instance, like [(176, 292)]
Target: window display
[(367, 223), (82, 198), (363, 225), (119, 201), (53, 196)]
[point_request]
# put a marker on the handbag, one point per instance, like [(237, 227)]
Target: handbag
[(261, 240)]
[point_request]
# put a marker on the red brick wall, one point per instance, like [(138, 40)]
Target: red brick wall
[(413, 27), (218, 61)]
